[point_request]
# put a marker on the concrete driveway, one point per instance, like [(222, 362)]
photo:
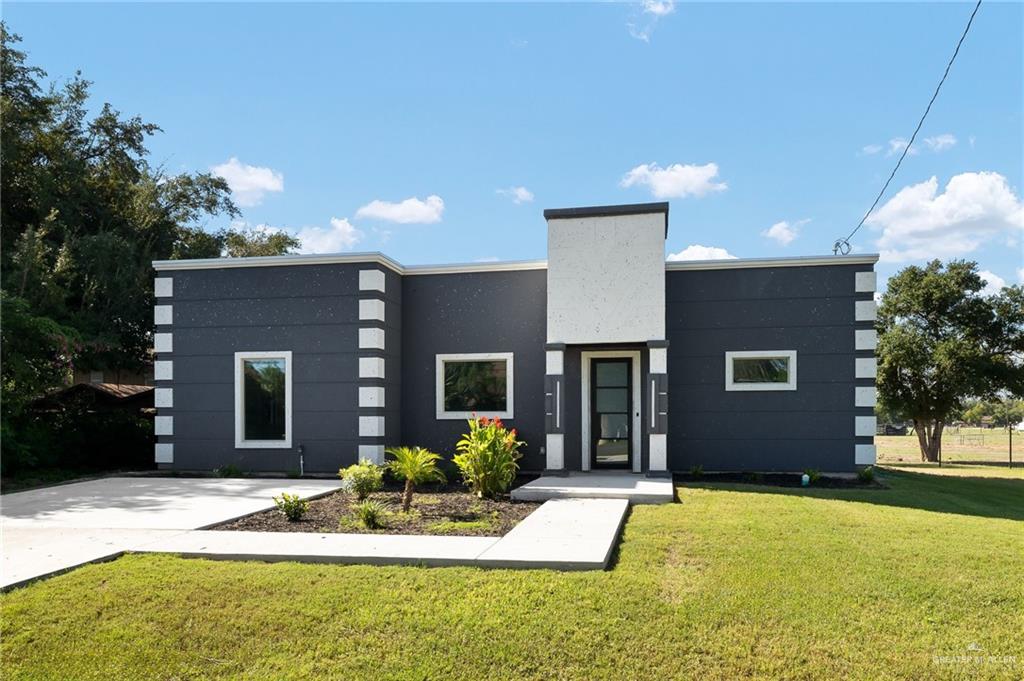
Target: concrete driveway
[(55, 529)]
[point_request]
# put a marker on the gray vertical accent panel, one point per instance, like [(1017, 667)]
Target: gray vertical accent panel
[(554, 404), (656, 421)]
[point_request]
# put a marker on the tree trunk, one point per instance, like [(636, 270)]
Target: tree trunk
[(929, 438), (407, 496)]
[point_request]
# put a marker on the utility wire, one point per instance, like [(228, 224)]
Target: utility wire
[(842, 245)]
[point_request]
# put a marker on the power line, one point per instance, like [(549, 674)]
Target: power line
[(842, 245)]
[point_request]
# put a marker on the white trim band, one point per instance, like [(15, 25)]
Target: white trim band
[(554, 451), (865, 426), (866, 282), (163, 398), (371, 338), (371, 426), (865, 310), (163, 287), (658, 360), (163, 370), (554, 362), (163, 425), (163, 452), (163, 314), (864, 455), (865, 339), (371, 310), (163, 342), (371, 367), (371, 280), (375, 453), (864, 397), (371, 396), (865, 367)]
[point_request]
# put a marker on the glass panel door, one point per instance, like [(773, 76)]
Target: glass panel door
[(611, 404)]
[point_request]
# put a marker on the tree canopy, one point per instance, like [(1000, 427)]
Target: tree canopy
[(83, 214), (942, 342)]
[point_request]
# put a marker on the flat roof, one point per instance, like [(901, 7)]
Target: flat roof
[(608, 211), (506, 266)]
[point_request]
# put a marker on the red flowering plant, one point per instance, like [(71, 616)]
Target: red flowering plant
[(488, 456)]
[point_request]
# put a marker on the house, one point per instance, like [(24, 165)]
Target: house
[(604, 356)]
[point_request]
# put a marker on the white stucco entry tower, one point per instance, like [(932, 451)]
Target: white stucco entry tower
[(606, 292)]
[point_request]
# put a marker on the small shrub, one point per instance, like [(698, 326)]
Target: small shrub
[(866, 474), (292, 506), (416, 466), (697, 472), (813, 474), (488, 456), (362, 479), (228, 470), (372, 513)]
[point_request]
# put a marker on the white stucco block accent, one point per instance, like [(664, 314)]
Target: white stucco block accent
[(606, 279), (371, 339), (163, 314), (163, 370), (371, 426), (865, 282), (659, 452), (163, 425), (865, 310), (659, 360), (864, 455), (371, 280), (864, 397), (372, 396), (371, 367), (163, 398), (555, 452), (163, 287), (865, 367), (163, 342), (864, 426), (554, 362), (371, 310), (865, 339), (375, 453), (164, 452)]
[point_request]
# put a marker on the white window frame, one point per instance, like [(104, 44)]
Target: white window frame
[(443, 415), (240, 441), (760, 354)]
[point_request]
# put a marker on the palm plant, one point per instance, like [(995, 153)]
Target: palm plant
[(416, 466)]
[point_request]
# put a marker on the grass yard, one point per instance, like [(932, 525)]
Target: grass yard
[(990, 445), (737, 581)]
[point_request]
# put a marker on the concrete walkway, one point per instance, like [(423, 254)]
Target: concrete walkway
[(636, 488), (568, 534), (54, 529)]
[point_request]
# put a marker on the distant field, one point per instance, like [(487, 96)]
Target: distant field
[(990, 445)]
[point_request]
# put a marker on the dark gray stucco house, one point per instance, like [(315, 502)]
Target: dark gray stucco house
[(602, 356)]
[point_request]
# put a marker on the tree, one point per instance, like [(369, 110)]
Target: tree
[(83, 215), (416, 466), (942, 342)]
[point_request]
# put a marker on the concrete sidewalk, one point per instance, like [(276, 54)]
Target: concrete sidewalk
[(636, 488)]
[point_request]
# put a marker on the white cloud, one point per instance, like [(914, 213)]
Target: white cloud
[(993, 282), (919, 223), (698, 252), (897, 145), (784, 232), (340, 236), (940, 142), (411, 210), (517, 194), (1020, 275), (651, 11), (248, 183), (871, 149), (676, 180)]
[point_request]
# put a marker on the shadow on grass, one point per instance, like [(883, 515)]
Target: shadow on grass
[(962, 495)]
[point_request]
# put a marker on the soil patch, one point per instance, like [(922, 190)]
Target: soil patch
[(436, 509)]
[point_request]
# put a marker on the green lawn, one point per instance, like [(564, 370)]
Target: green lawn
[(991, 445), (735, 581)]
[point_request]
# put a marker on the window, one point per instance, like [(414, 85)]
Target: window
[(478, 384), (760, 370), (263, 399)]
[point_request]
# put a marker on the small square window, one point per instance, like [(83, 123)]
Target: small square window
[(479, 383), (760, 370)]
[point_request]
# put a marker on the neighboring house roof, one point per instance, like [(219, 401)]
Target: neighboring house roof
[(100, 395)]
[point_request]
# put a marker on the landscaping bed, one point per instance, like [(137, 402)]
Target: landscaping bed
[(445, 509), (781, 480)]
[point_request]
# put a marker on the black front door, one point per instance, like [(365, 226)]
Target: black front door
[(611, 397)]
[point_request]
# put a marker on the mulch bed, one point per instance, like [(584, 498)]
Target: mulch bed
[(436, 509), (781, 480)]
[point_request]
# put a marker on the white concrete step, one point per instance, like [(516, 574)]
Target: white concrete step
[(636, 488)]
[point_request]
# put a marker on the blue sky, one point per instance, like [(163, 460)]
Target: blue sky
[(439, 132)]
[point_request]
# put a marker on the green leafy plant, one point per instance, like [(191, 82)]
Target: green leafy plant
[(697, 472), (813, 474), (866, 474), (488, 456), (416, 466), (228, 470), (292, 506), (362, 479), (372, 513)]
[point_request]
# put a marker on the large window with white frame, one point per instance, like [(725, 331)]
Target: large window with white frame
[(760, 370), (263, 399), (474, 383)]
